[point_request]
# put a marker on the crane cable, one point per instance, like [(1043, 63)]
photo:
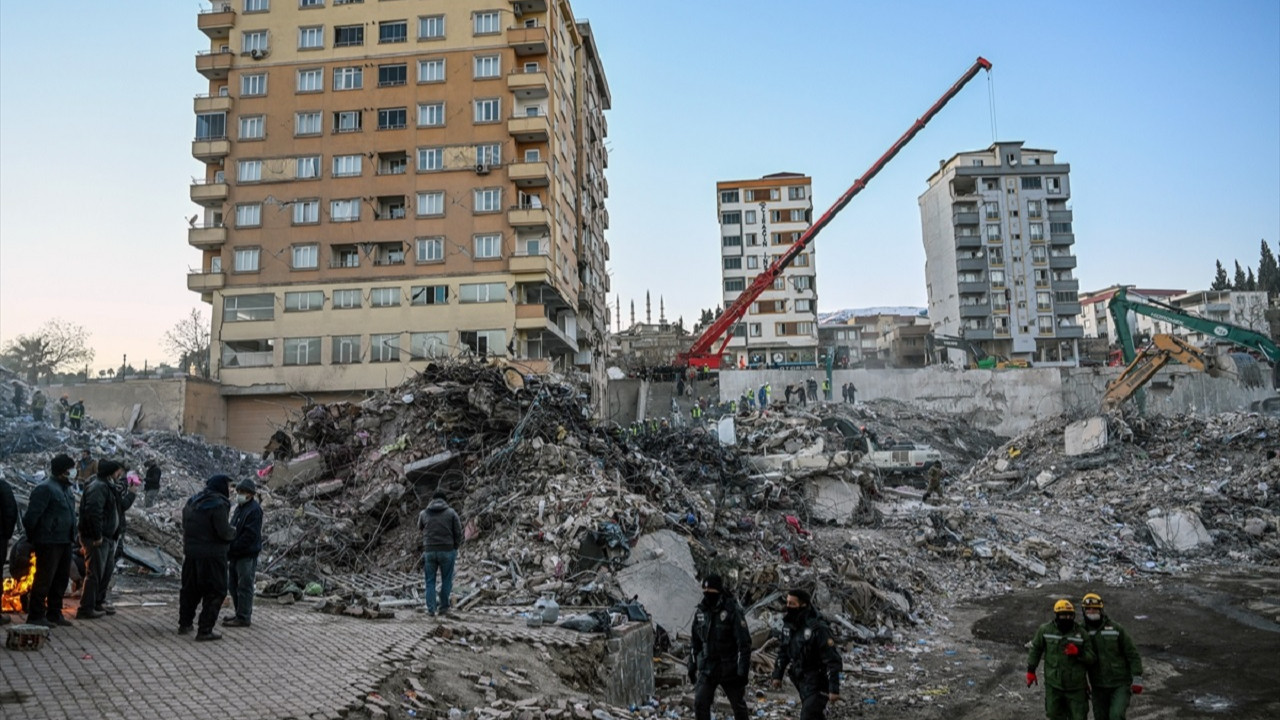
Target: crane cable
[(991, 103)]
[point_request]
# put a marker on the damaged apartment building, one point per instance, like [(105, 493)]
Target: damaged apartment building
[(384, 184), (998, 245)]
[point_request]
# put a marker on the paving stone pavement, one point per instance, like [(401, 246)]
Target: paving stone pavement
[(293, 663)]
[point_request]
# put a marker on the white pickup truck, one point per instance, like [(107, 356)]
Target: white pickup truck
[(902, 457)]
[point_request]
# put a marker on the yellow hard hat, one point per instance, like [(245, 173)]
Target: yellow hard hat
[(1091, 600), (1063, 606)]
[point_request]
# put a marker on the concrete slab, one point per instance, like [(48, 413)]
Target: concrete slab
[(1179, 531), (834, 500), (1085, 436), (661, 572)]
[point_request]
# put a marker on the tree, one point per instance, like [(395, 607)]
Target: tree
[(55, 345), (1250, 283), (1268, 272), (706, 317), (1220, 281), (1240, 281), (188, 340)]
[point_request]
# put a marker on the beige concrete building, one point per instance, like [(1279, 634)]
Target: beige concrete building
[(388, 182)]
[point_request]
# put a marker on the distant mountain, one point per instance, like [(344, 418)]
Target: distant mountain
[(840, 316)]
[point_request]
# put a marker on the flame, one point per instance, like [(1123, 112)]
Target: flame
[(15, 588)]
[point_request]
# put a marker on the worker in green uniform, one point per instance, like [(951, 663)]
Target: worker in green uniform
[(1067, 654), (1118, 674)]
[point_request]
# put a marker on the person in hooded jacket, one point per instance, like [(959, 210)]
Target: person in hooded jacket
[(50, 524), (99, 528), (243, 555), (441, 535), (720, 653), (206, 536), (808, 655)]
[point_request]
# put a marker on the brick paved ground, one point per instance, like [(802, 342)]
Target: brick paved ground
[(293, 663)]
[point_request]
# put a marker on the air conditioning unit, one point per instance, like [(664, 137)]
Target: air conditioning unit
[(482, 169), (226, 7), (257, 54)]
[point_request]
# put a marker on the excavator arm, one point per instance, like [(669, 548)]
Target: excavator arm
[(1163, 350)]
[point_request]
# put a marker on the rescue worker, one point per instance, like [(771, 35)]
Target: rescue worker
[(63, 408), (695, 412), (826, 389), (76, 414), (720, 654), (935, 482), (808, 656), (1118, 674), (38, 401), (1067, 654), (812, 389)]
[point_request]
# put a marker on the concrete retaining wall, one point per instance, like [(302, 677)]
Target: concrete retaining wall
[(626, 670)]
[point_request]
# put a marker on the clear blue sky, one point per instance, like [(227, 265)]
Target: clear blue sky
[(1168, 112)]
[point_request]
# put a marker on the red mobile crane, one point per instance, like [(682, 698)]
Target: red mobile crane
[(701, 353)]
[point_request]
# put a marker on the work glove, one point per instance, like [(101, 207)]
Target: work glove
[(1071, 650), (1031, 679), (1136, 687)]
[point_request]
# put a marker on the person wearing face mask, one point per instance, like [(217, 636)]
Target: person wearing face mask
[(1118, 674), (720, 654), (206, 535), (99, 531), (808, 656), (242, 557), (1067, 653), (50, 524)]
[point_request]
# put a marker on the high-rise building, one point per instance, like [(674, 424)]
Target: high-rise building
[(388, 182), (998, 253), (759, 220)]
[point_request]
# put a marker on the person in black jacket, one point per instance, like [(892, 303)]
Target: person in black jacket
[(150, 483), (8, 520), (808, 656), (206, 535), (441, 536), (721, 651), (99, 527), (242, 557), (50, 524)]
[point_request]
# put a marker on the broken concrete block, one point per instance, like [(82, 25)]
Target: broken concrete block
[(1002, 465), (427, 463), (1085, 436), (1255, 526), (665, 582), (834, 500), (321, 489), (304, 468), (726, 431), (1026, 563), (770, 463), (1178, 531), (1045, 479)]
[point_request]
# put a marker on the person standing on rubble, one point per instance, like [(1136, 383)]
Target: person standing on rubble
[(935, 482), (76, 415), (808, 656), (63, 408), (19, 397), (441, 536), (99, 528), (38, 401), (720, 653), (206, 535), (1067, 656), (1118, 674), (826, 389), (811, 388), (50, 524), (243, 554), (150, 483)]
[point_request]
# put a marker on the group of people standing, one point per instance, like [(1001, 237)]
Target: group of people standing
[(220, 556), (1094, 660), (67, 411)]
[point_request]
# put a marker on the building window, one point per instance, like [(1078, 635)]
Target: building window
[(484, 342), (311, 37), (392, 75), (348, 121), (344, 211), (302, 351), (749, 217), (431, 70), (753, 262), (482, 292), (1056, 228), (348, 78), (257, 5), (384, 348), (430, 159), (1053, 185), (246, 259), (733, 263), (347, 165), (795, 192), (731, 218), (431, 203), (997, 278), (429, 295), (1044, 301), (734, 285), (311, 3), (728, 196), (305, 212), (251, 85), (249, 171), (802, 260), (489, 155), (797, 216), (253, 41), (308, 167), (431, 27), (1044, 324), (303, 301), (346, 349), (348, 35), (253, 127), (306, 257), (1031, 183), (755, 329), (249, 215), (991, 211), (487, 66), (428, 345), (996, 256), (487, 110), (780, 283), (393, 31), (488, 246), (487, 200), (1033, 208), (802, 282), (384, 297), (803, 306), (211, 126), (346, 299), (993, 233), (486, 23), (1035, 231), (731, 241), (431, 114), (311, 80), (429, 249), (306, 123), (245, 308), (392, 118), (752, 239)]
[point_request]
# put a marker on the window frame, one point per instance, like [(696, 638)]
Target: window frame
[(355, 30), (487, 246), (309, 80), (488, 17), (436, 108), (250, 79), (486, 200), (306, 32), (310, 304), (348, 77), (481, 115), (432, 63), (301, 216), (335, 217), (383, 25), (435, 242), (425, 198), (424, 22), (298, 119), (252, 251)]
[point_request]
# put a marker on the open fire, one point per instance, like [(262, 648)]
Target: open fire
[(15, 588)]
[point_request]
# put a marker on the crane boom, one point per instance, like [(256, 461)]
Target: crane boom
[(701, 353), (1145, 365)]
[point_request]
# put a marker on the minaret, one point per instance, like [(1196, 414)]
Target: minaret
[(662, 310), (617, 313), (633, 313), (648, 309)]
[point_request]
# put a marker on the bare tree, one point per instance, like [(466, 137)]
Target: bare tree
[(188, 340), (57, 344)]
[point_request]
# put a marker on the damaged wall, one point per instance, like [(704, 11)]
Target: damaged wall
[(1173, 391), (178, 404)]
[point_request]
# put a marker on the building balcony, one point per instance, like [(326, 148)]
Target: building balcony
[(529, 174), (604, 218), (1060, 216), (606, 250), (212, 103), (1062, 238), (975, 334), (530, 129), (604, 185), (968, 241), (211, 150), (971, 264), (977, 310), (207, 237), (972, 287), (1069, 332), (530, 268), (522, 217), (527, 41), (218, 21), (523, 7), (1072, 285), (528, 85), (965, 218), (214, 65), (203, 282), (209, 192), (1062, 262), (533, 318)]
